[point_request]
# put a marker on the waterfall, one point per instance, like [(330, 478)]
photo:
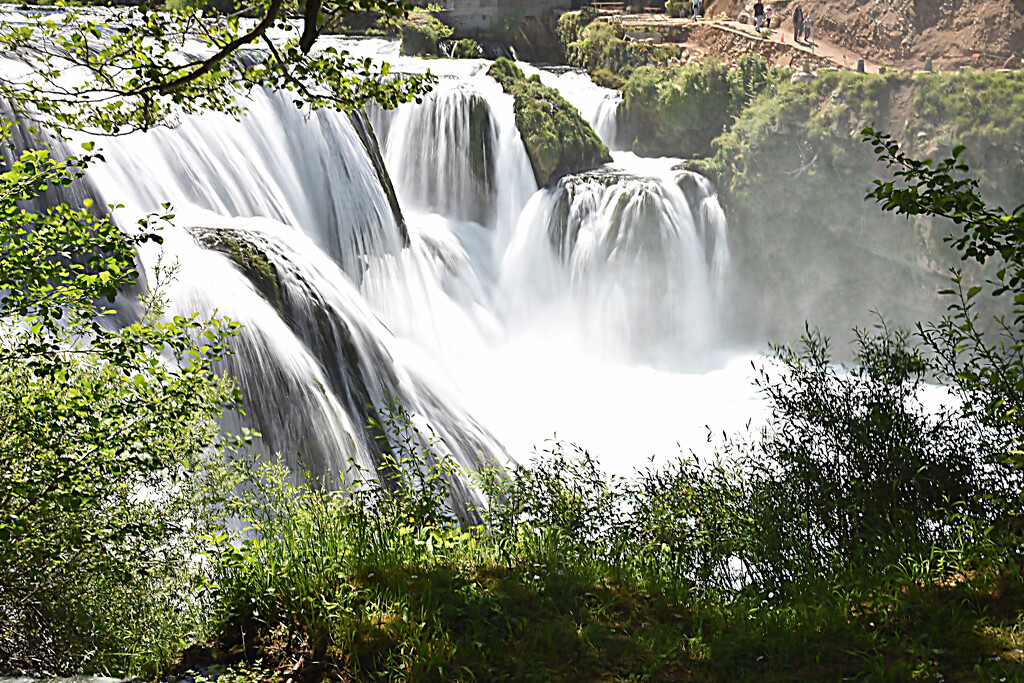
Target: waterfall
[(624, 253), (430, 269), (599, 106)]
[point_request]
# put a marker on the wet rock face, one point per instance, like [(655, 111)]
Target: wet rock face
[(558, 140), (534, 41), (248, 257), (372, 146)]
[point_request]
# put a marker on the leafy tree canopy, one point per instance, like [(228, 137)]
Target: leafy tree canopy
[(112, 72)]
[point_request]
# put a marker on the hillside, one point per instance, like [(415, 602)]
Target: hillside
[(903, 33)]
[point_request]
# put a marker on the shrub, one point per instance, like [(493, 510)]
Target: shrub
[(599, 47), (107, 480), (681, 108), (467, 48), (421, 36), (855, 472), (674, 8)]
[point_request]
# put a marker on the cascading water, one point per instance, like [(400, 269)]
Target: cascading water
[(599, 106), (640, 267), (485, 305)]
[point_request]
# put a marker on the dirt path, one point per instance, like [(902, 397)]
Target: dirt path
[(729, 39)]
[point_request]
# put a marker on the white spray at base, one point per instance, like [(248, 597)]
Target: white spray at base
[(499, 314)]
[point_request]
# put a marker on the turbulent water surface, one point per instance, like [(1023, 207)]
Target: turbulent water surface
[(498, 313)]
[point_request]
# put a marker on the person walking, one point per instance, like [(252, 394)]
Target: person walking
[(758, 15), (798, 24), (768, 17)]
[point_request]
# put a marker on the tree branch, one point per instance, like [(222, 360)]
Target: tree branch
[(310, 31)]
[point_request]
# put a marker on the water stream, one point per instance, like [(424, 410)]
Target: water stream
[(500, 314)]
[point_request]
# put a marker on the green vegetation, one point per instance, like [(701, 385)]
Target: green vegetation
[(107, 480), (792, 173), (680, 110), (599, 49), (467, 48), (134, 79), (862, 535), (422, 35), (980, 110), (113, 477), (673, 8), (558, 140)]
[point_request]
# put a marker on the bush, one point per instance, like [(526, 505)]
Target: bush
[(421, 36), (681, 108), (855, 472), (675, 8), (467, 48), (108, 480)]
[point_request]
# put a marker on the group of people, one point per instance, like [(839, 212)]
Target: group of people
[(762, 16), (763, 19), (695, 10), (801, 27)]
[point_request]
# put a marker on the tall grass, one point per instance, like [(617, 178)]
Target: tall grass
[(857, 520)]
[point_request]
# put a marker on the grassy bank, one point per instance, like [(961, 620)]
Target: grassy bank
[(862, 537)]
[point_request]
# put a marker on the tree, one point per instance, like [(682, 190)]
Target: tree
[(112, 74), (107, 478), (987, 368), (112, 471)]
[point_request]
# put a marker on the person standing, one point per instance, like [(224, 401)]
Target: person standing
[(798, 24), (768, 17), (758, 15)]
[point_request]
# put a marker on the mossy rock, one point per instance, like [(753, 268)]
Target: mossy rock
[(481, 142), (422, 34), (248, 257), (558, 140), (467, 48)]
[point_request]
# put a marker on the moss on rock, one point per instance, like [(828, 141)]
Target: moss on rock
[(558, 140), (421, 35), (249, 258)]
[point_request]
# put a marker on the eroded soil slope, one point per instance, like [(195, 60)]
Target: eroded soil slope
[(905, 32)]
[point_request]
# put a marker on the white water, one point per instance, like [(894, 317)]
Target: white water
[(508, 315)]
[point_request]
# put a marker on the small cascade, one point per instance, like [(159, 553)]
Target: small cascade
[(599, 106), (311, 172), (442, 153), (635, 256), (446, 153)]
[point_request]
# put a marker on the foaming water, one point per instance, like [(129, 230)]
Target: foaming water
[(599, 106), (498, 313)]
